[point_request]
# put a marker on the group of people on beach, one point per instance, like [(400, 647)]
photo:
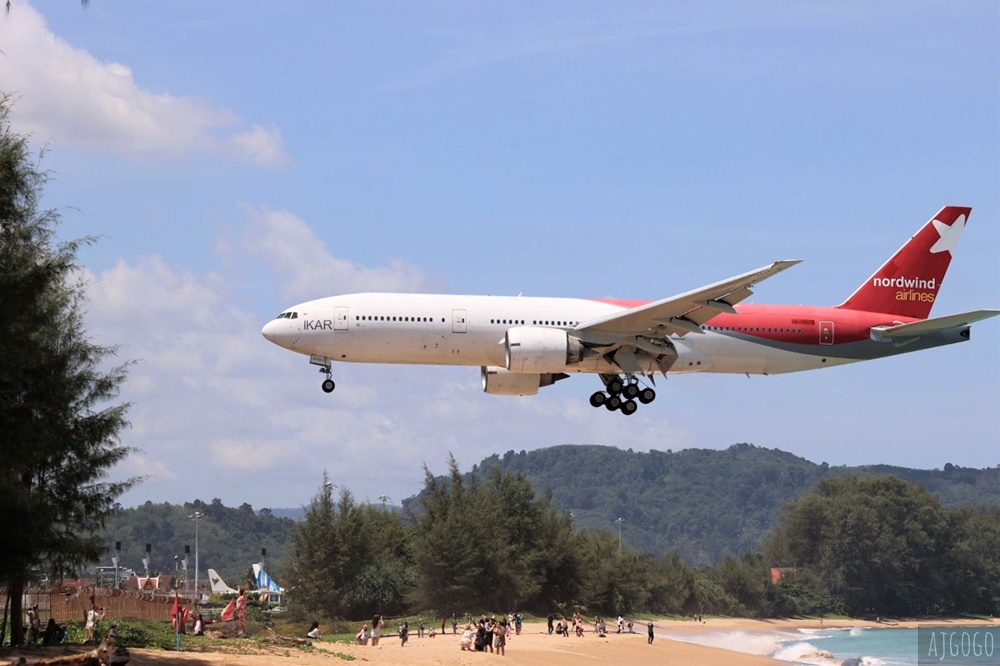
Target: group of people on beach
[(490, 635), (561, 626), (53, 634)]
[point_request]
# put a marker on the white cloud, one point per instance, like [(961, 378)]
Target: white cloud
[(289, 247), (259, 145), (68, 96)]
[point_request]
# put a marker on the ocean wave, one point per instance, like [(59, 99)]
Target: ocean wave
[(764, 644), (804, 652)]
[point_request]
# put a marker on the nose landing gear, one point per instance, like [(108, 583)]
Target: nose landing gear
[(622, 394), (325, 367)]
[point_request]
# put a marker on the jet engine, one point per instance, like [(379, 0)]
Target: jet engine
[(540, 349), (500, 381)]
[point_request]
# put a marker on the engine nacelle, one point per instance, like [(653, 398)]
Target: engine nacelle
[(499, 381), (540, 349)]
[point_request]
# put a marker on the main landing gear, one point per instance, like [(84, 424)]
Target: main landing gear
[(325, 367), (622, 395)]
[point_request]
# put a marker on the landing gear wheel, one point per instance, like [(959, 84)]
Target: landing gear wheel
[(328, 386), (598, 399), (647, 395), (631, 390), (615, 386), (629, 407), (613, 403)]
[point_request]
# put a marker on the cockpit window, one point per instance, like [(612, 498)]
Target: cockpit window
[(288, 315)]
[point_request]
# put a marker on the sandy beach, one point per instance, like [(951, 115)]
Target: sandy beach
[(534, 647)]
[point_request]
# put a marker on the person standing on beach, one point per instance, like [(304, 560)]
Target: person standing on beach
[(404, 633), (377, 624), (34, 625), (241, 611), (650, 628), (551, 619), (500, 637), (94, 615)]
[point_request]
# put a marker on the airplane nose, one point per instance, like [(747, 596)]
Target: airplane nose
[(270, 330)]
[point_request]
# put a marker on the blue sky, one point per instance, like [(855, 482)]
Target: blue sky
[(237, 158)]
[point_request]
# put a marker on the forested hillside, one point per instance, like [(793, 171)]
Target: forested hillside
[(229, 539), (706, 504)]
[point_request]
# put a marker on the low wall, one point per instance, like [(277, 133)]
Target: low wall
[(72, 604)]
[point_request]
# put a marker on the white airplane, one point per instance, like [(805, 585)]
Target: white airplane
[(522, 344)]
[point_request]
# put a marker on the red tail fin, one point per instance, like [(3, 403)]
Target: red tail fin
[(908, 283)]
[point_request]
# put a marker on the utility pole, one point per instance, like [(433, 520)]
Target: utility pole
[(116, 559), (196, 517), (184, 565), (384, 498), (620, 520)]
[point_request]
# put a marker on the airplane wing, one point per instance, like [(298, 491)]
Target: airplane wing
[(931, 325), (686, 312)]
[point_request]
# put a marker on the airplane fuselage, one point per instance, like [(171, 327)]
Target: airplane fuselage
[(434, 329)]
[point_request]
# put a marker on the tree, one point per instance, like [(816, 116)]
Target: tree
[(880, 544), (59, 425), (348, 560), (447, 550), (313, 540)]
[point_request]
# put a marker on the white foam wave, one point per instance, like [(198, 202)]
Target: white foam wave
[(737, 641), (803, 652)]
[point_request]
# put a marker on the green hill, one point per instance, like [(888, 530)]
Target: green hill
[(229, 539), (706, 504)]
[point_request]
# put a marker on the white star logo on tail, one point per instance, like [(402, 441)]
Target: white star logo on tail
[(948, 235)]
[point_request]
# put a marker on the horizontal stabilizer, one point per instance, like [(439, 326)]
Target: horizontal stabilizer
[(934, 325)]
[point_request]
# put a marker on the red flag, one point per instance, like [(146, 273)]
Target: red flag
[(176, 609), (229, 612)]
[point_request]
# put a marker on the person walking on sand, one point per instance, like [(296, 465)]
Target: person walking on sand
[(377, 624), (404, 633), (649, 627)]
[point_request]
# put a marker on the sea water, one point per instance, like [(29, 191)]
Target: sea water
[(821, 647)]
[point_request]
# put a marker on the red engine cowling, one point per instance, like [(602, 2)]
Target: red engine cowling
[(540, 349)]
